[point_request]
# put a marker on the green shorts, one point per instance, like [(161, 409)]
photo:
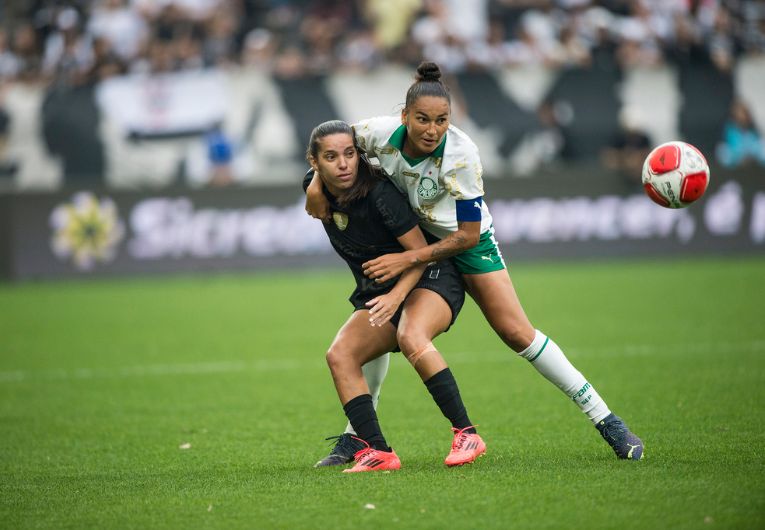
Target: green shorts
[(482, 258)]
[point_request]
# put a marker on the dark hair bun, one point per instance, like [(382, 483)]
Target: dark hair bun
[(428, 72)]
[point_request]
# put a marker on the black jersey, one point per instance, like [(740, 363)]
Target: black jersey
[(366, 229)]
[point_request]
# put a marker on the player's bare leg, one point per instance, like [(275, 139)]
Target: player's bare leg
[(345, 445), (495, 295), (425, 316), (355, 342)]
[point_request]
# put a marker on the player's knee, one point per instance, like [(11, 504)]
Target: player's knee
[(410, 343), (414, 354), (337, 359)]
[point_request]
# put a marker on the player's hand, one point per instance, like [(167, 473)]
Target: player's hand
[(382, 309), (316, 204), (386, 267)]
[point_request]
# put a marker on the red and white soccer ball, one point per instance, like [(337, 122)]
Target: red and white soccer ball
[(675, 174)]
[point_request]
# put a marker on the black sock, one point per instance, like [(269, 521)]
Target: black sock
[(361, 413), (443, 388)]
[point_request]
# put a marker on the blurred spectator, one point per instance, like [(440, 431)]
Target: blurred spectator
[(537, 38), (220, 154), (547, 144), (627, 151), (722, 45), (68, 53), (358, 51), (391, 20), (491, 52), (259, 49), (467, 20), (9, 63), (432, 33), (741, 142), (26, 49), (219, 46), (106, 63), (7, 167), (123, 27), (638, 46), (749, 18)]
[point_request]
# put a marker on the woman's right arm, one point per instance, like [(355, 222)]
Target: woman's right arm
[(316, 204), (383, 307)]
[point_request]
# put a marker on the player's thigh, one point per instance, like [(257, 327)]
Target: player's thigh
[(426, 315), (495, 295), (357, 339)]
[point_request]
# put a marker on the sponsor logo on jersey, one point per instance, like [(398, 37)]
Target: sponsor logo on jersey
[(427, 188), (340, 219)]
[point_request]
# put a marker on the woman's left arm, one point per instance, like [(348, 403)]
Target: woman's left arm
[(389, 266), (383, 307)]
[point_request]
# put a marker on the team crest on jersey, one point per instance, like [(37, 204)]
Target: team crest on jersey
[(427, 188), (340, 219)]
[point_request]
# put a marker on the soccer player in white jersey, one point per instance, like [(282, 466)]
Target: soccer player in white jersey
[(438, 167)]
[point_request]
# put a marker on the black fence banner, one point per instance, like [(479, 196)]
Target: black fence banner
[(99, 232)]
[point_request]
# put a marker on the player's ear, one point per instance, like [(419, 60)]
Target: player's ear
[(403, 116), (314, 165)]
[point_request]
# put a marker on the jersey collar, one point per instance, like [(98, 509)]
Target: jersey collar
[(397, 140)]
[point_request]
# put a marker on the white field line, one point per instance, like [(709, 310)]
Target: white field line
[(282, 365)]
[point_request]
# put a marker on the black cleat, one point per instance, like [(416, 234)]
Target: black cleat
[(345, 447), (624, 443)]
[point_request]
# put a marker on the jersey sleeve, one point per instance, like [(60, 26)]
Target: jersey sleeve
[(393, 208), (465, 180), (307, 179), (370, 134)]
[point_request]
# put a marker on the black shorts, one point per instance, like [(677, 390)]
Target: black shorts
[(442, 278)]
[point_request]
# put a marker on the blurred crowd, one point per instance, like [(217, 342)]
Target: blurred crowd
[(82, 41), (60, 44)]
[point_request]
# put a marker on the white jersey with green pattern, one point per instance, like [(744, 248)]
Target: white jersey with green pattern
[(434, 183)]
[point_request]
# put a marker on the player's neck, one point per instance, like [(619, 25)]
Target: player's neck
[(337, 193), (411, 150)]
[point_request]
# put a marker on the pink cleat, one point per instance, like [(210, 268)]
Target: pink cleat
[(466, 447), (369, 459)]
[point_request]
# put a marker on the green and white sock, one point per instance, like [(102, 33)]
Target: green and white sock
[(374, 372), (549, 360)]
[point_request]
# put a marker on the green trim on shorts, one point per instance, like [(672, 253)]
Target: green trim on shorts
[(482, 258)]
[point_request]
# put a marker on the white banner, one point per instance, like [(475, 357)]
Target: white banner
[(166, 103)]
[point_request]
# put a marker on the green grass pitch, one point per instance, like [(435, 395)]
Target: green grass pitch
[(203, 402)]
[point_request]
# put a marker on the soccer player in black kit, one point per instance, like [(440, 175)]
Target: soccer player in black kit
[(370, 217)]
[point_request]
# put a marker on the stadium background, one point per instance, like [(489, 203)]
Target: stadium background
[(192, 116), (149, 148)]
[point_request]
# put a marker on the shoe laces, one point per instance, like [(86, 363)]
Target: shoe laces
[(343, 441), (364, 453), (460, 436), (615, 430), (336, 438)]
